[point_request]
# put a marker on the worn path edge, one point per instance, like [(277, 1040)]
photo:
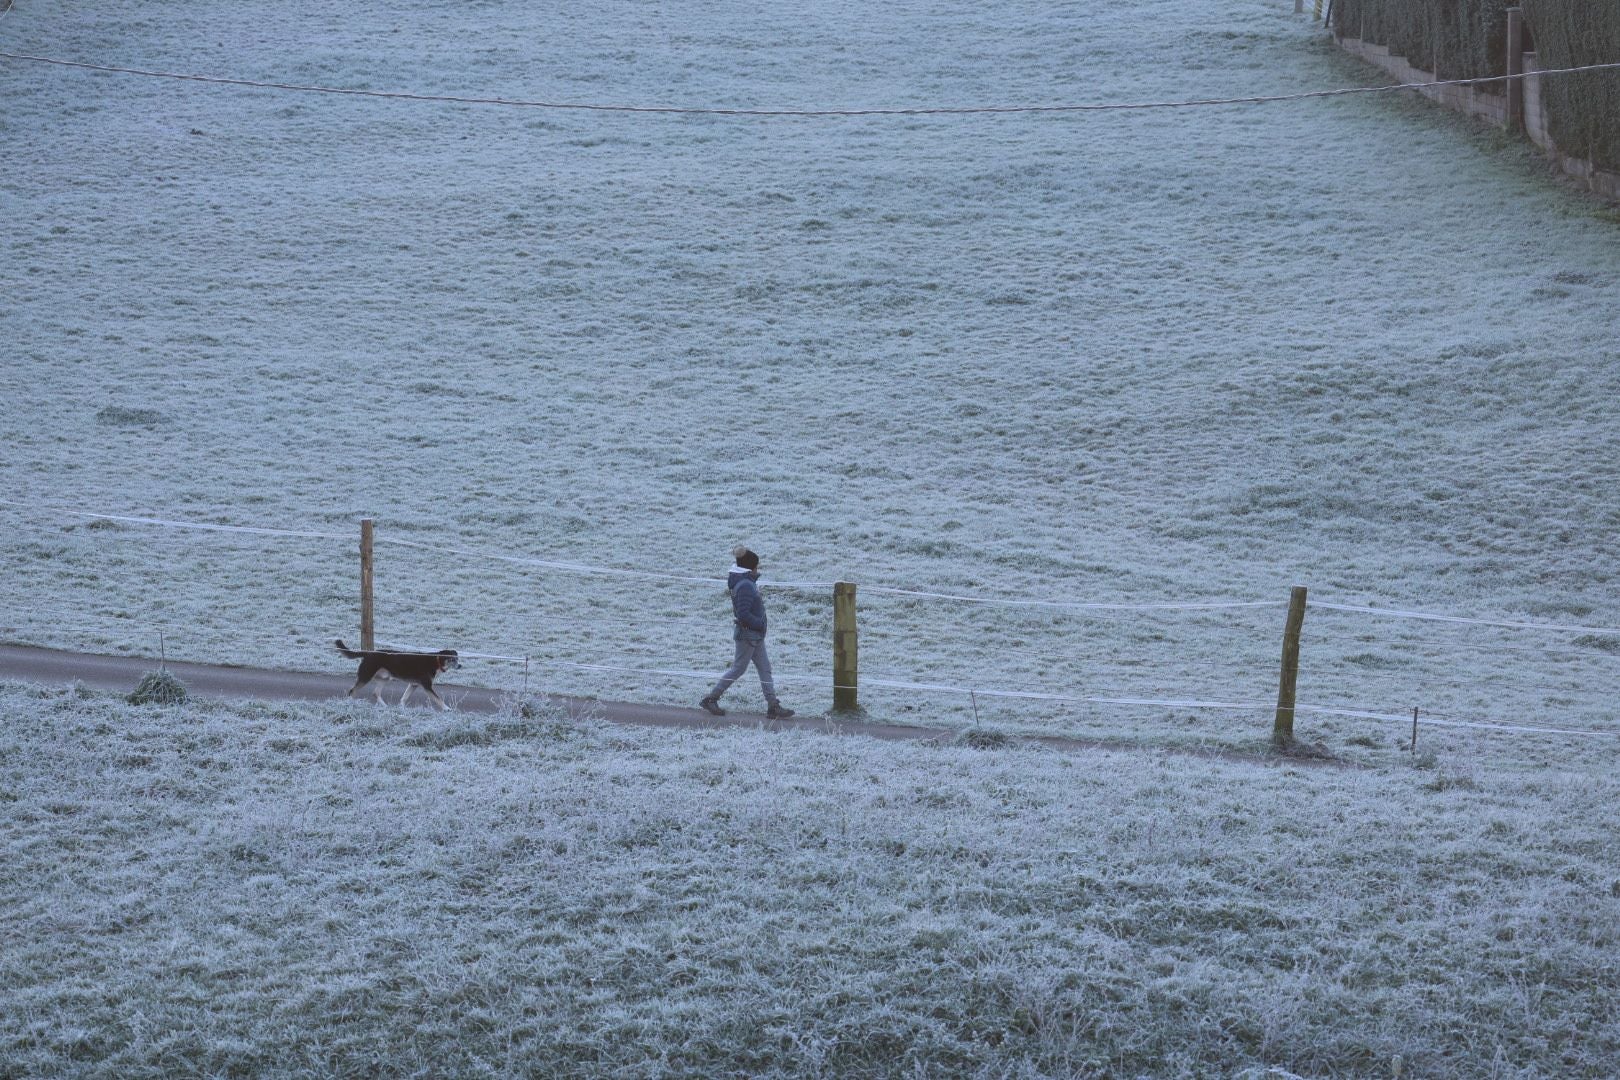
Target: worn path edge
[(30, 664), (22, 663)]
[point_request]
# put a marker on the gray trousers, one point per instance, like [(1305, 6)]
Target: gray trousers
[(750, 648)]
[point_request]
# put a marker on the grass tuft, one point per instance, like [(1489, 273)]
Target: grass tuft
[(122, 416), (983, 739), (158, 688)]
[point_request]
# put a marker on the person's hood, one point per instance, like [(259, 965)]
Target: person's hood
[(738, 572)]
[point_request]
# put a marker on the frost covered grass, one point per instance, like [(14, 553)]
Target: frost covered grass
[(1355, 344), (341, 890)]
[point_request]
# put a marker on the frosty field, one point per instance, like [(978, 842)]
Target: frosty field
[(1155, 357), (341, 891)]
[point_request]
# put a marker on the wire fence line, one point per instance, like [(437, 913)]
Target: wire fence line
[(539, 660), (1430, 645), (765, 113), (1438, 721), (583, 568), (1343, 667), (167, 523), (1196, 703), (1396, 613), (1342, 670), (1071, 605), (687, 578), (911, 685), (887, 681), (642, 573)]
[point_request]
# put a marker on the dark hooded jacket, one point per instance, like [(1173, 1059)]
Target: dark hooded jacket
[(747, 605)]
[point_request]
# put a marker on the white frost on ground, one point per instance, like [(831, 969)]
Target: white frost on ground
[(1356, 344), (333, 889)]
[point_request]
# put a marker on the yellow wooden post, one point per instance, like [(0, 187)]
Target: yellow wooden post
[(845, 648), (368, 638), (1282, 730), (1515, 66)]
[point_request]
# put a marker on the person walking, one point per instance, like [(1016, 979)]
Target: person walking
[(748, 611)]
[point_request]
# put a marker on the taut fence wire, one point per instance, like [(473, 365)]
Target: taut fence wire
[(1396, 613), (806, 113)]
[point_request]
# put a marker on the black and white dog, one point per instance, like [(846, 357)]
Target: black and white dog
[(413, 669)]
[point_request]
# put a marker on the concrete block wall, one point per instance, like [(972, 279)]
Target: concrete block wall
[(1467, 99), (1492, 108), (1603, 183)]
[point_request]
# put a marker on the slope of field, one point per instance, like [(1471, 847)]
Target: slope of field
[(324, 890), (1193, 354)]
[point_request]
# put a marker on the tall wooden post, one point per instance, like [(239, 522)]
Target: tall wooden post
[(1515, 66), (368, 638), (1282, 730), (845, 648)]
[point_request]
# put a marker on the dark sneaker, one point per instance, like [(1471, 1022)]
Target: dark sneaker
[(712, 706), (778, 711)]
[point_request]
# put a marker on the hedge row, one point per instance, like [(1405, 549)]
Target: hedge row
[(1583, 111), (1461, 39), (1455, 39)]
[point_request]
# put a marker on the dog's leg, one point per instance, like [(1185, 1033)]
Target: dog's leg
[(429, 691), (365, 676), (409, 686)]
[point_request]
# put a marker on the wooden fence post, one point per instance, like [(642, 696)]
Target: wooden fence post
[(1515, 66), (1282, 730), (845, 648), (368, 639)]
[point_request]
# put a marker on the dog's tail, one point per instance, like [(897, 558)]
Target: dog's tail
[(346, 651)]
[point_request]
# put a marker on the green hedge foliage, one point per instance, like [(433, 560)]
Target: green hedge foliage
[(1455, 39), (1583, 111), (1461, 39)]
